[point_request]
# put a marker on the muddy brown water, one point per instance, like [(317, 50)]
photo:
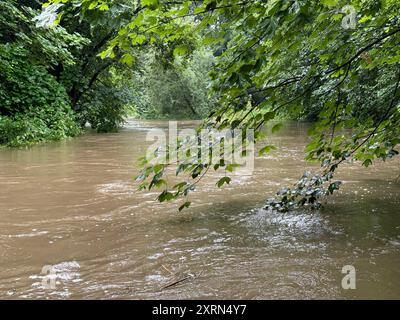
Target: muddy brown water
[(73, 205)]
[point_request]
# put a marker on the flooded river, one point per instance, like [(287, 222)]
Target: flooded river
[(73, 205)]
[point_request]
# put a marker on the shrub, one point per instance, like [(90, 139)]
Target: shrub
[(33, 105)]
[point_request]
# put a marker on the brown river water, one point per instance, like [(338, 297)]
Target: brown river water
[(73, 205)]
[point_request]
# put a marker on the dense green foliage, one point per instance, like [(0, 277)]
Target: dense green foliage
[(55, 79)]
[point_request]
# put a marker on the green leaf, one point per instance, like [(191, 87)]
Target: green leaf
[(108, 53), (160, 183), (180, 185), (393, 59), (93, 5), (104, 7), (128, 59), (222, 181), (185, 205), (138, 39), (266, 149), (143, 186), (149, 3), (367, 162), (269, 115), (158, 168), (165, 196), (230, 167)]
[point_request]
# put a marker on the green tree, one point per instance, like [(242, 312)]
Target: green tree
[(52, 79)]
